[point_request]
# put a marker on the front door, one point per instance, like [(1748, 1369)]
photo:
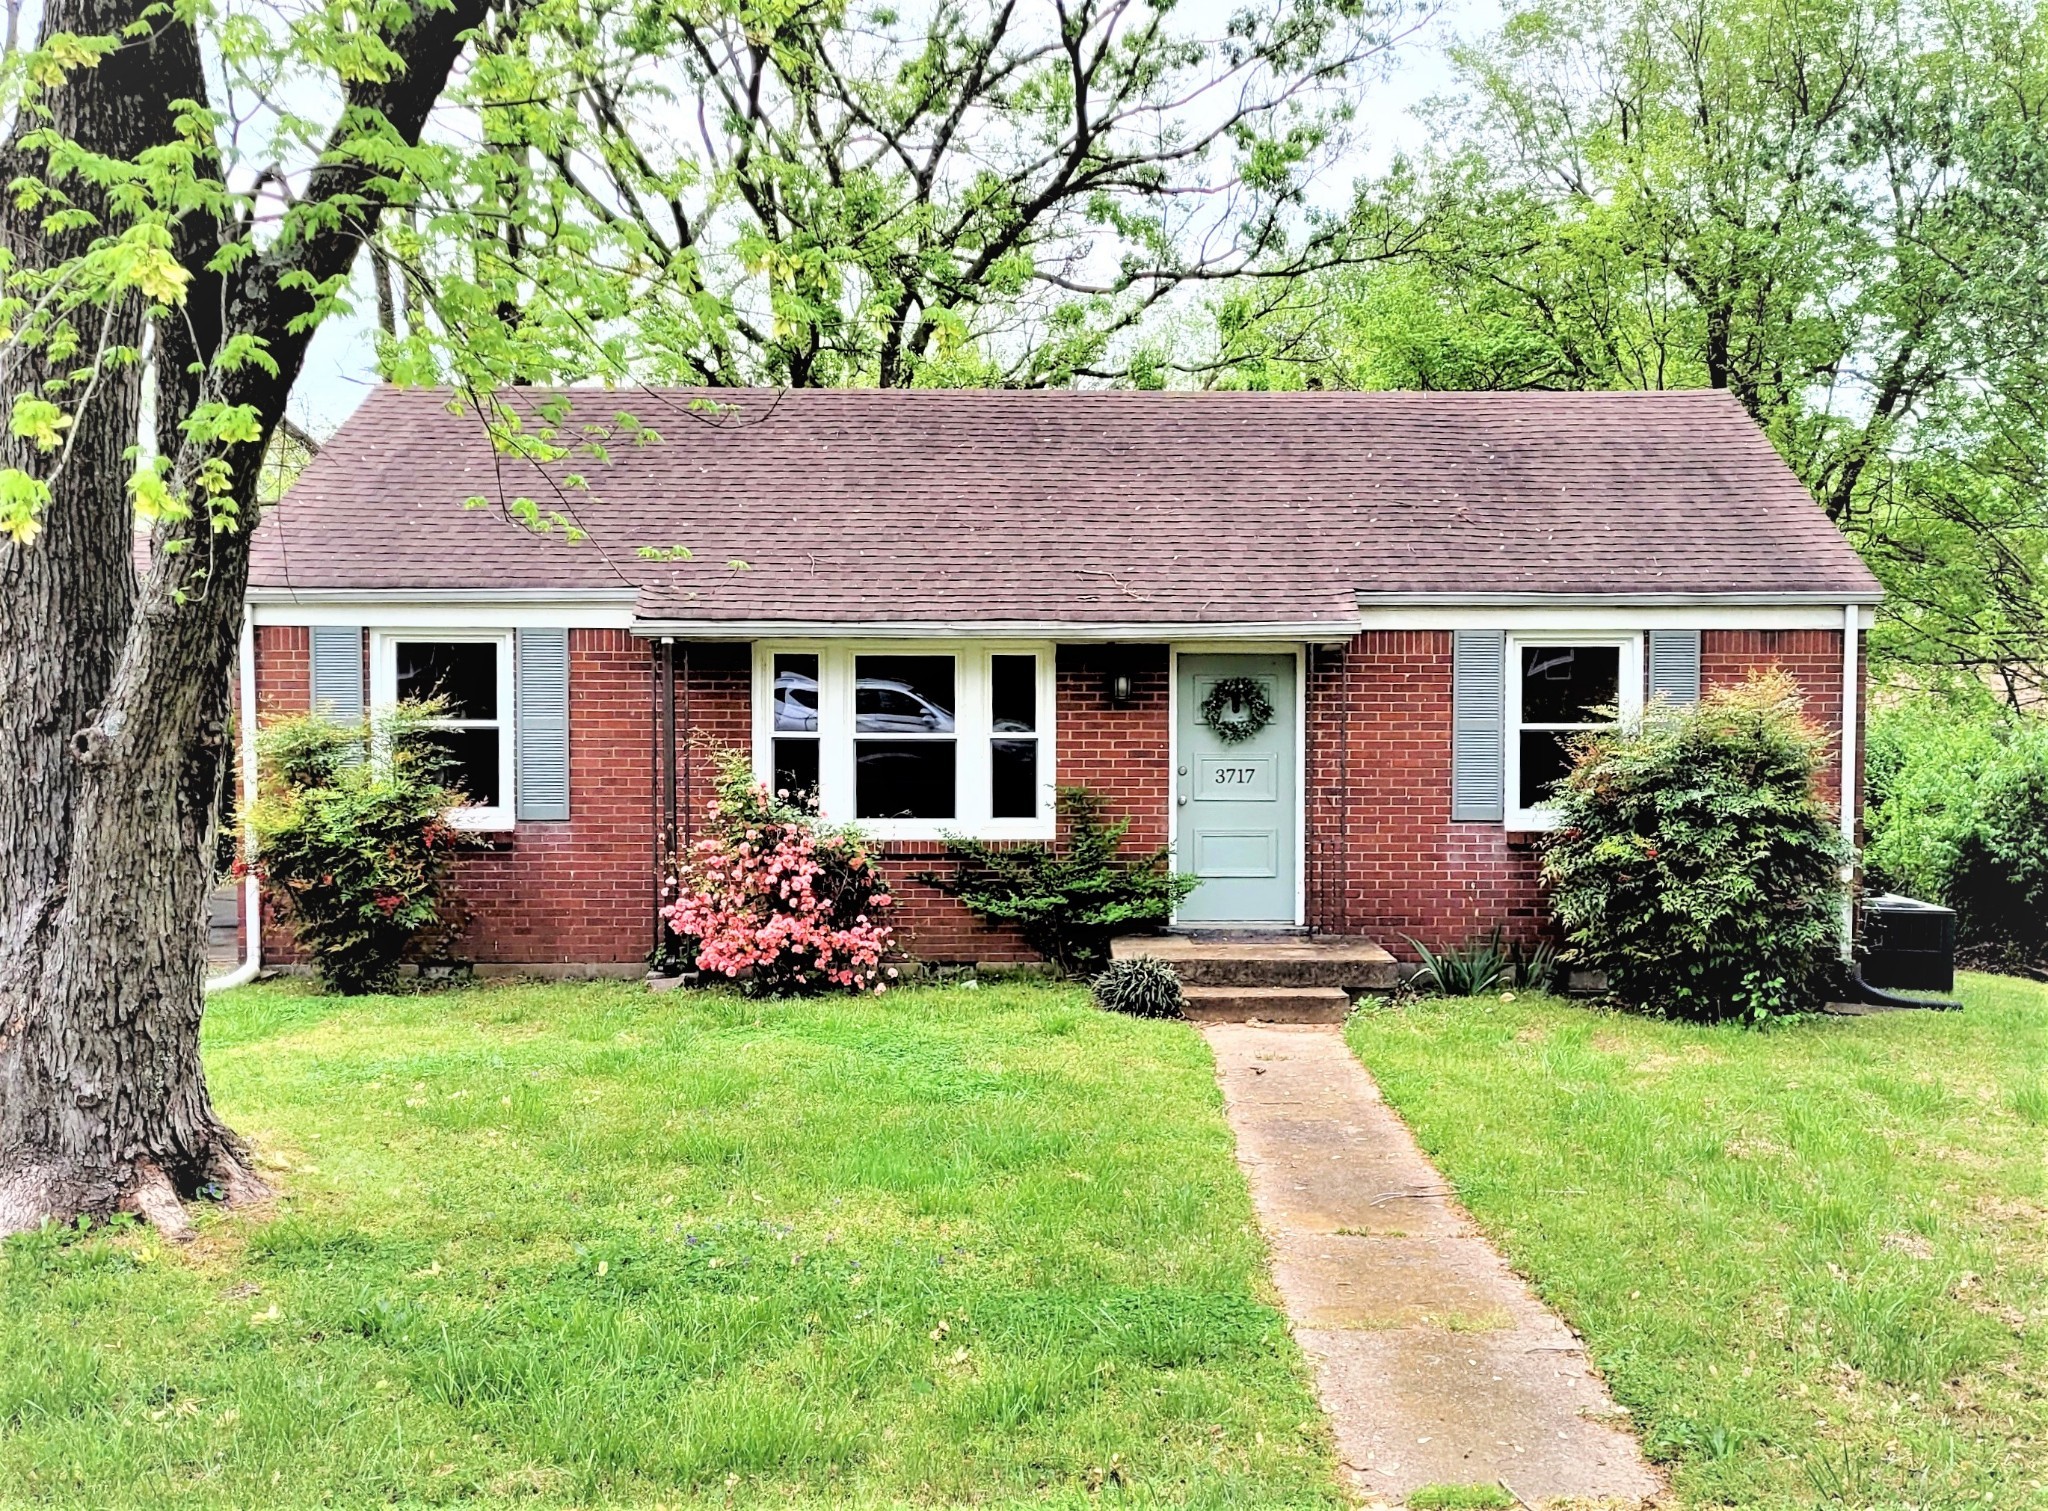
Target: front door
[(1234, 789)]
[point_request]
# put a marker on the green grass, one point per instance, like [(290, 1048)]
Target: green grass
[(1812, 1260), (584, 1245), (1460, 1498)]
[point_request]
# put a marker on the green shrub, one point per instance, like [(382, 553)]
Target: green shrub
[(1693, 862), (354, 843), (1958, 814), (1070, 899), (1143, 988)]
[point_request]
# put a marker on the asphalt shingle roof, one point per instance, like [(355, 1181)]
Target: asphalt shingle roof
[(1071, 507)]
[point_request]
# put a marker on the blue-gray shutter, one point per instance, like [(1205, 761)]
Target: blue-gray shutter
[(338, 672), (1675, 665), (1478, 717), (540, 723)]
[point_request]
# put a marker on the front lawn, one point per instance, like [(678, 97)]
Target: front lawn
[(555, 1245), (1813, 1260)]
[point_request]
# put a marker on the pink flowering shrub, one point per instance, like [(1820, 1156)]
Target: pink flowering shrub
[(778, 899)]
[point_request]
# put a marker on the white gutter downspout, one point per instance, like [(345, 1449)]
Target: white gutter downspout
[(1851, 690), (252, 890)]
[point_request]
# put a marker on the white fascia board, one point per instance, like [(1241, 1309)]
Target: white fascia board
[(413, 609), (1058, 631), (1536, 611)]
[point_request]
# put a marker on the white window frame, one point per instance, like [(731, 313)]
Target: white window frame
[(1630, 702), (973, 729), (384, 697)]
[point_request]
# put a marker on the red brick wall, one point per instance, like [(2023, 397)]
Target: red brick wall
[(1385, 859), (547, 894), (284, 669), (284, 685), (1814, 660), (580, 892), (1121, 752)]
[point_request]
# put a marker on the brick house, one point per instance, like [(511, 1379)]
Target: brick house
[(1326, 645)]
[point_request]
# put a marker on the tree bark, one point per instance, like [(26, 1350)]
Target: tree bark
[(115, 690)]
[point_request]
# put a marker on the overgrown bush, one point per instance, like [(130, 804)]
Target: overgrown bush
[(1071, 898), (1693, 862), (1958, 814), (352, 839), (778, 901), (1143, 988)]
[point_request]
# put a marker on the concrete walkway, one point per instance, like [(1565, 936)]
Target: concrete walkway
[(1436, 1364)]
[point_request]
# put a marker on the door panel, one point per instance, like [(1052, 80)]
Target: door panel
[(1234, 804)]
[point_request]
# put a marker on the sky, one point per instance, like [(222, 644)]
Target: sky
[(340, 363)]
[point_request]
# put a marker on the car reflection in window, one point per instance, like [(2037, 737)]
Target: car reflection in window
[(897, 708), (885, 707), (796, 701)]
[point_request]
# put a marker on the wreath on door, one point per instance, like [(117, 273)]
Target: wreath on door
[(1236, 709)]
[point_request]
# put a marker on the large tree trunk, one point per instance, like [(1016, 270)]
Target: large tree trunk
[(114, 692), (101, 1095)]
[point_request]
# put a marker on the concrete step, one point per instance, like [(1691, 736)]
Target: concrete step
[(1354, 964), (1266, 1004)]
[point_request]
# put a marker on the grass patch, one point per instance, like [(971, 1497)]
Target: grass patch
[(1812, 1260), (1460, 1498), (584, 1245)]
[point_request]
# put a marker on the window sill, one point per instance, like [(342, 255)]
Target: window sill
[(889, 831), (481, 820)]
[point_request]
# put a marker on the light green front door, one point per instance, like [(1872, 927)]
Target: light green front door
[(1234, 800)]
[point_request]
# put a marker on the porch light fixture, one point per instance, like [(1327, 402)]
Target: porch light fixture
[(1118, 686)]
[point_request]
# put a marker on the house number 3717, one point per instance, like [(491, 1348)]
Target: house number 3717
[(1235, 775)]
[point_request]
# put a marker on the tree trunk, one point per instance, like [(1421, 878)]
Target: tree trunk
[(102, 1101), (114, 692)]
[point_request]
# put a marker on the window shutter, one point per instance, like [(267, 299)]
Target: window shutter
[(540, 725), (1478, 714), (1675, 665), (338, 672)]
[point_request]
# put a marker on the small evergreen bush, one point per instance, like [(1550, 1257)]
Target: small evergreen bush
[(1070, 899), (1958, 814), (353, 840), (1143, 988), (1693, 862)]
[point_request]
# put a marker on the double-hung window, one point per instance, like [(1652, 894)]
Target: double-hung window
[(470, 677), (1559, 687), (911, 740)]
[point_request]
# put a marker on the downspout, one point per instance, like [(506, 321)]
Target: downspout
[(1852, 689), (252, 889), (655, 839), (671, 858), (689, 734)]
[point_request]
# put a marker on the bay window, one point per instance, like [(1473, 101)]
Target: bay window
[(912, 741), (1559, 687)]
